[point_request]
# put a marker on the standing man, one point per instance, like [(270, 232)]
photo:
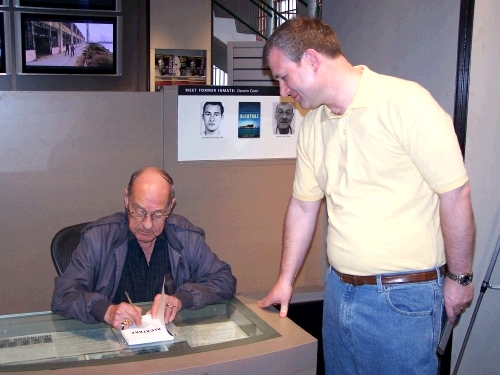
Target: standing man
[(283, 116), (135, 252), (213, 113), (401, 231), (67, 49)]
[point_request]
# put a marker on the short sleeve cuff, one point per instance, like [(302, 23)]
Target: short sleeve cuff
[(451, 186), (308, 198)]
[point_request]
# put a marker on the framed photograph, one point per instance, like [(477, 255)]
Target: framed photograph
[(4, 43), (107, 5), (68, 44)]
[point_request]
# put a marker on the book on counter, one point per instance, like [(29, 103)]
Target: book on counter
[(151, 331)]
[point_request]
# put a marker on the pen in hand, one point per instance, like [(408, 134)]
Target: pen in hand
[(130, 301)]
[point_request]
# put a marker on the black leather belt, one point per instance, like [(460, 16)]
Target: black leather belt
[(402, 278)]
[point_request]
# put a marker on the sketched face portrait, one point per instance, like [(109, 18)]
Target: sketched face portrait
[(283, 115), (213, 113)]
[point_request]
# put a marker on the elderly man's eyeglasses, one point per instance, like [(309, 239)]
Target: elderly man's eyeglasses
[(141, 215)]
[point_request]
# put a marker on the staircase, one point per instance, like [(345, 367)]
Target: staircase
[(242, 26)]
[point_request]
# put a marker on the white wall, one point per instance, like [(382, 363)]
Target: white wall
[(185, 24), (482, 158), (418, 41), (415, 40)]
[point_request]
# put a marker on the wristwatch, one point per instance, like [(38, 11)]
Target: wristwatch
[(462, 279)]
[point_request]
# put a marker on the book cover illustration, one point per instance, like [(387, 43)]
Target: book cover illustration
[(195, 66), (163, 65), (249, 120), (181, 63)]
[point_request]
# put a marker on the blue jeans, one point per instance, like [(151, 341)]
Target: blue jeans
[(381, 329)]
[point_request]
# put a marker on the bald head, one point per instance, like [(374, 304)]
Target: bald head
[(149, 199), (151, 175)]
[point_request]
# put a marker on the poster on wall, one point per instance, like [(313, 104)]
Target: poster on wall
[(236, 123)]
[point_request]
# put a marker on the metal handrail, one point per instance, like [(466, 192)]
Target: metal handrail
[(238, 18), (266, 8), (274, 11)]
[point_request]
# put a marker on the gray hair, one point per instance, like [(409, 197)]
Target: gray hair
[(160, 171)]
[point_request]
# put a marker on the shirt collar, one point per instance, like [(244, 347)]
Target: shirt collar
[(362, 98)]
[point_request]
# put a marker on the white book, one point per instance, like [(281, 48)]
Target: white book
[(152, 330)]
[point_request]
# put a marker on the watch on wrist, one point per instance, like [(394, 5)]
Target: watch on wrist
[(462, 279)]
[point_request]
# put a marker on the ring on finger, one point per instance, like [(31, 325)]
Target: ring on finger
[(126, 322)]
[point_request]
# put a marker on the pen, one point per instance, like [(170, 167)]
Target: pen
[(131, 304), (129, 299)]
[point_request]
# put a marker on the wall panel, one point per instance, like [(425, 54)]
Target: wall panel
[(65, 158)]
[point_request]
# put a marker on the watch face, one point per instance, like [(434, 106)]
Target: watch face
[(465, 279)]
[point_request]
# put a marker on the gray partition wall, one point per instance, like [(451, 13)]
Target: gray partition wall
[(65, 158)]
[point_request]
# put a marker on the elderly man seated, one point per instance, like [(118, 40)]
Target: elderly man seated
[(134, 252)]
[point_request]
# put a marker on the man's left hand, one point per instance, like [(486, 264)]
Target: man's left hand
[(172, 306), (456, 298)]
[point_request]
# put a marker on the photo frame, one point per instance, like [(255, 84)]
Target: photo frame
[(68, 44), (4, 43), (103, 5)]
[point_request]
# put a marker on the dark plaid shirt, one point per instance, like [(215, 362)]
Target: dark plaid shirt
[(141, 280)]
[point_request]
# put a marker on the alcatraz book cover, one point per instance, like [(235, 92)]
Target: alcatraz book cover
[(249, 120)]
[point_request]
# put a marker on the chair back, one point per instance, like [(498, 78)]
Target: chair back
[(63, 244)]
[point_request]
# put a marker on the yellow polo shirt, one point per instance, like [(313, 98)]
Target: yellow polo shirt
[(381, 166)]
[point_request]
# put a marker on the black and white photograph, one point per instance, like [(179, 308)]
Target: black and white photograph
[(212, 114), (284, 122)]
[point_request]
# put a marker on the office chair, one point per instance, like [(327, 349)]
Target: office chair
[(63, 244)]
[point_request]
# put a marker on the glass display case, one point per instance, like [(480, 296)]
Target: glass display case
[(38, 341)]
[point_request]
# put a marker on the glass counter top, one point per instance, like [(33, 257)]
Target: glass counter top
[(42, 341)]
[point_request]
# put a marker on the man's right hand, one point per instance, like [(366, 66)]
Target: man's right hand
[(118, 314), (280, 294)]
